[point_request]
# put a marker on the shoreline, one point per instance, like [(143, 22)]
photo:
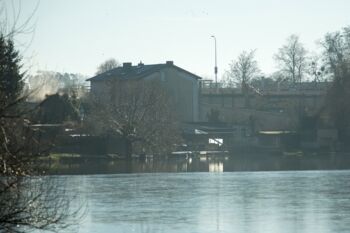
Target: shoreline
[(66, 164)]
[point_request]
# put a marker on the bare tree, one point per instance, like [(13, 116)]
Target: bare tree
[(11, 23), (291, 59), (242, 70), (28, 200), (139, 113), (337, 52), (316, 69), (35, 202), (107, 65)]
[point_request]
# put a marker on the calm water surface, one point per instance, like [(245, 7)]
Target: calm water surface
[(314, 201)]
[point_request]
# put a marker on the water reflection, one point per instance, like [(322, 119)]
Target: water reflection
[(226, 163), (216, 166), (219, 202)]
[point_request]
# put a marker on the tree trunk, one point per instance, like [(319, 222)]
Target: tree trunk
[(245, 92), (128, 149)]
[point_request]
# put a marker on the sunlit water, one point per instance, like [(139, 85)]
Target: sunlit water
[(314, 201)]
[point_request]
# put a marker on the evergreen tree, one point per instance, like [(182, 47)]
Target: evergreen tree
[(11, 79)]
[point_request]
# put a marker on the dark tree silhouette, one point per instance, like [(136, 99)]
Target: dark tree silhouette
[(28, 200), (11, 79), (107, 65), (139, 113), (56, 109), (337, 62), (242, 70), (291, 59)]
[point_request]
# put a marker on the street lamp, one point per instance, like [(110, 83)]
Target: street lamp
[(216, 65)]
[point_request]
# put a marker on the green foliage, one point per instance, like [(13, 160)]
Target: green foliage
[(28, 200), (11, 79), (56, 109)]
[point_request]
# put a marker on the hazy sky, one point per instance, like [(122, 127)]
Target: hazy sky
[(77, 35)]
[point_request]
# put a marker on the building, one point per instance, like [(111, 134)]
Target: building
[(264, 108), (182, 85)]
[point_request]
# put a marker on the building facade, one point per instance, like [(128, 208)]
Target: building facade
[(276, 109), (181, 85)]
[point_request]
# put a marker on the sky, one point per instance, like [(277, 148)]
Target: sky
[(76, 36)]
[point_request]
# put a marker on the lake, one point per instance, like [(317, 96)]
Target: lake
[(200, 202)]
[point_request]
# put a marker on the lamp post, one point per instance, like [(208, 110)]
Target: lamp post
[(216, 65)]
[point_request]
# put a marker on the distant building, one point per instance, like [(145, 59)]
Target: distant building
[(182, 85), (264, 107)]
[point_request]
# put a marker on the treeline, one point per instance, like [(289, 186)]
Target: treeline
[(296, 65), (294, 62), (45, 83)]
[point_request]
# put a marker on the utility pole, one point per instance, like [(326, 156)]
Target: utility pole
[(216, 64)]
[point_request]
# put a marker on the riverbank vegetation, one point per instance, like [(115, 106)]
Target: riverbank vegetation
[(28, 199)]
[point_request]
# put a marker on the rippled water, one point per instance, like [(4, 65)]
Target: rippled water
[(314, 201)]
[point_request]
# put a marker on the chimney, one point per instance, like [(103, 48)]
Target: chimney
[(126, 64), (170, 63)]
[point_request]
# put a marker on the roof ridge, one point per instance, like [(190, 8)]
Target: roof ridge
[(137, 71)]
